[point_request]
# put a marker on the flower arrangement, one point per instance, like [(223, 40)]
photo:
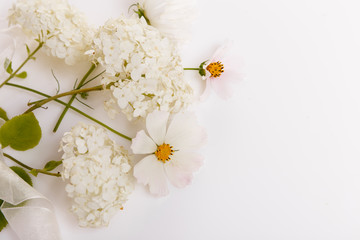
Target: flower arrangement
[(143, 78)]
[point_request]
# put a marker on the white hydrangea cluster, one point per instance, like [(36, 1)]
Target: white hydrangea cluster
[(65, 31), (143, 66), (98, 174)]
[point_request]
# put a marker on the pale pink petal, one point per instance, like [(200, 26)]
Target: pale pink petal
[(207, 90), (149, 171), (233, 62), (218, 55), (233, 68), (222, 87), (222, 51), (184, 133), (177, 176), (156, 123), (188, 161), (142, 144), (181, 166), (232, 75)]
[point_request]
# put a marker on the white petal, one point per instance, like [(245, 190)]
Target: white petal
[(184, 133), (180, 168), (222, 87), (177, 176), (222, 51), (207, 90), (188, 161), (142, 144), (150, 171), (232, 74), (156, 123)]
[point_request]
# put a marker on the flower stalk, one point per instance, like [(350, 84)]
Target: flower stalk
[(30, 168), (30, 56), (81, 83), (140, 12), (200, 69), (40, 103), (196, 69), (73, 108)]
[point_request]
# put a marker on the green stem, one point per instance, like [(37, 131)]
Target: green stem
[(30, 168), (38, 104), (196, 69), (73, 108), (92, 68), (30, 56), (91, 79), (140, 12)]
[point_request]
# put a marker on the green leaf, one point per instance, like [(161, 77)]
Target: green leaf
[(21, 133), (202, 71), (84, 95), (52, 165), (3, 115), (34, 172), (3, 222), (9, 69), (23, 174), (22, 75), (27, 49)]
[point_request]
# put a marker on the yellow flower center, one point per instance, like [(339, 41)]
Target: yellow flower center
[(163, 152), (215, 68)]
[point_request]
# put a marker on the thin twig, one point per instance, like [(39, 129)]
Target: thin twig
[(73, 108), (38, 104), (30, 56), (30, 168), (92, 68)]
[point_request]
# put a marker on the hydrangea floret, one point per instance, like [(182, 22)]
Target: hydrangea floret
[(62, 28), (97, 172), (143, 66)]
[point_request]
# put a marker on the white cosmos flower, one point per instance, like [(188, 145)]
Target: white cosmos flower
[(170, 146), (222, 70), (172, 17)]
